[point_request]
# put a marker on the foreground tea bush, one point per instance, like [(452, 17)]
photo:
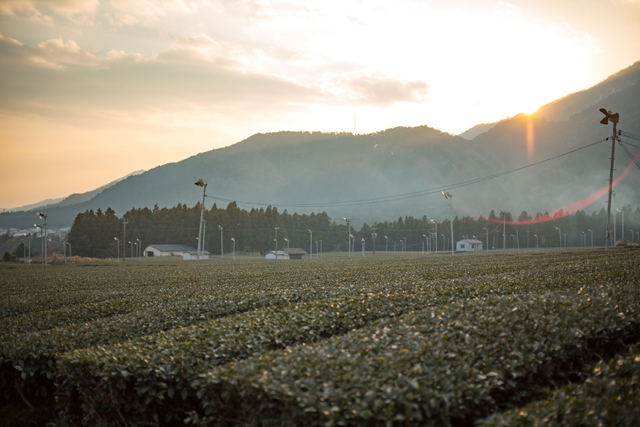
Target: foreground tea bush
[(164, 365), (184, 326), (161, 376), (436, 367), (163, 300), (610, 397)]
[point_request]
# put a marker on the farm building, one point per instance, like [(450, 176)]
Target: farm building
[(277, 255), (193, 255), (469, 245), (292, 253), (169, 250)]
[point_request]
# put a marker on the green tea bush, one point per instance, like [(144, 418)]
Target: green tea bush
[(610, 397), (444, 366)]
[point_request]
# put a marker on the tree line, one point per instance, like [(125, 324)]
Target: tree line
[(94, 234)]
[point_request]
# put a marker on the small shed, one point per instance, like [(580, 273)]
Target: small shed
[(296, 253), (469, 245), (193, 255), (168, 250), (277, 255)]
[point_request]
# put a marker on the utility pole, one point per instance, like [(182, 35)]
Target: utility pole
[(277, 243), (503, 214), (349, 232), (373, 236), (221, 243), (450, 198), (203, 184), (615, 118), (124, 239), (43, 216)]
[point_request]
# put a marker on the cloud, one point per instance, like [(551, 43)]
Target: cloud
[(53, 53), (58, 78), (157, 7), (198, 41), (379, 89), (11, 7), (77, 10)]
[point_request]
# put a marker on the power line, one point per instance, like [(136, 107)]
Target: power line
[(413, 194), (628, 143), (629, 134), (629, 154)]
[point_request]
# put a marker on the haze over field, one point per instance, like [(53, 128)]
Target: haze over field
[(92, 90)]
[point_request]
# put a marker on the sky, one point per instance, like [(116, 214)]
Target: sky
[(91, 90)]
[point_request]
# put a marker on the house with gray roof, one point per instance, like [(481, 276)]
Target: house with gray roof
[(171, 250)]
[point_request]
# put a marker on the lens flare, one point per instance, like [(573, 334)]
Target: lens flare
[(567, 209), (530, 138)]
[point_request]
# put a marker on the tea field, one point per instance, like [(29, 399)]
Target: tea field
[(537, 338)]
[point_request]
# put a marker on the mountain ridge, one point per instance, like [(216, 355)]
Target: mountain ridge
[(331, 171)]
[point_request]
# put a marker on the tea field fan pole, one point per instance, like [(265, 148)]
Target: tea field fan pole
[(348, 232), (449, 197), (124, 240), (43, 216), (41, 244), (203, 184), (221, 242), (487, 230), (503, 214), (615, 118), (436, 232)]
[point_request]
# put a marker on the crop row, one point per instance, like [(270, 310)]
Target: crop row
[(160, 375), (286, 303), (436, 367), (610, 397), (33, 289), (34, 354)]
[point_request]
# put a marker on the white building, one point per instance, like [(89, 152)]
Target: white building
[(169, 250), (277, 255), (469, 245), (293, 253), (193, 255)]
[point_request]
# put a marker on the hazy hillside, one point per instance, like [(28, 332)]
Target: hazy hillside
[(575, 103), (47, 202), (570, 178), (334, 172), (476, 130), (83, 197)]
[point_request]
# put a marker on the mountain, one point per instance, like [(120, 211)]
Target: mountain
[(476, 130), (354, 176), (83, 197), (575, 103), (47, 202), (55, 204)]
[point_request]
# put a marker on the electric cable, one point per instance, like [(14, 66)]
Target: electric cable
[(413, 194)]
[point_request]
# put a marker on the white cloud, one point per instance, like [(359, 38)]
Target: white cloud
[(10, 7), (379, 89), (80, 11)]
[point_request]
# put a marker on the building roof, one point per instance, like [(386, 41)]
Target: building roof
[(196, 253), (279, 252), (475, 241), (174, 248), (295, 251)]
